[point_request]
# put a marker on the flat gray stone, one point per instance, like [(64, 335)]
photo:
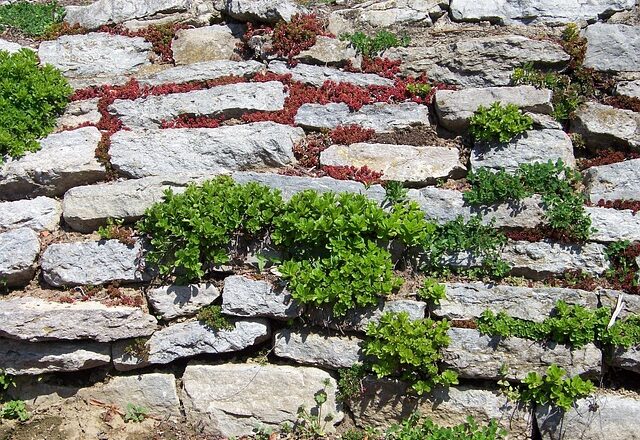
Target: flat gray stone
[(191, 338), (317, 349), (603, 126), (32, 319), (78, 113), (93, 262), (317, 75), (242, 296), (613, 47), (251, 390), (617, 181), (174, 301), (18, 358), (9, 46), (203, 71), (204, 150), (627, 359), (65, 160), (404, 163), (19, 249), (629, 88), (206, 43), (533, 146), (330, 52), (455, 107), (380, 117), (614, 225), (39, 214), (268, 11)]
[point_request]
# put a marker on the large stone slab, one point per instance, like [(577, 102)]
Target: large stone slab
[(614, 225), (39, 214), (206, 43), (476, 356), (230, 101), (188, 339), (455, 107), (530, 147), (318, 349), (18, 358), (330, 52), (64, 161), (616, 181), (32, 319), (603, 126), (251, 390), (242, 296), (19, 249), (380, 117), (613, 47), (404, 163), (203, 71), (174, 301), (93, 262), (269, 11), (203, 150), (317, 75)]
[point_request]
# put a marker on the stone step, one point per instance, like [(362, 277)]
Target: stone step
[(39, 214), (243, 296), (202, 71), (174, 301), (603, 126), (317, 75), (19, 249), (617, 181)]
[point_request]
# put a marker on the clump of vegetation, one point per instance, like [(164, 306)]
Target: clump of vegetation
[(350, 382), (137, 348), (416, 427), (432, 291), (554, 388), (114, 230), (33, 19), (15, 410), (394, 192), (373, 46), (624, 272), (420, 89), (499, 123), (300, 33), (212, 317), (135, 413), (6, 381)]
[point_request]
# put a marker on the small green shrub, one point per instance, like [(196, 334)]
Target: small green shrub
[(350, 382), (33, 19), (499, 123), (373, 46), (419, 89), (432, 291), (212, 317), (15, 410), (394, 192), (137, 348), (555, 388), (135, 413), (418, 428)]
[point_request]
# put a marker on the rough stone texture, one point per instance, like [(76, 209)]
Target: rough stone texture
[(230, 101), (629, 88), (628, 359), (9, 46), (612, 182), (39, 214), (614, 225), (207, 43), (80, 112), (64, 161), (190, 339), (202, 71), (478, 62), (603, 126), (269, 11), (173, 301), (613, 47), (250, 390), (93, 262), (404, 163), (32, 319), (530, 147), (17, 357), (330, 52), (604, 415), (204, 150), (379, 117), (19, 249), (96, 58), (455, 108), (477, 356), (317, 75), (545, 11), (318, 349), (242, 296), (386, 401)]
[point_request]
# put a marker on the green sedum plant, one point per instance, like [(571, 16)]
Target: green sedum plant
[(212, 317), (373, 46), (554, 388), (33, 19), (499, 123), (135, 413), (416, 427), (432, 291), (15, 410)]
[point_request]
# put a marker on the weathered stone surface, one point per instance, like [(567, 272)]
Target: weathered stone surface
[(318, 349), (230, 100), (243, 296), (603, 126), (455, 108), (96, 58), (613, 182), (32, 319), (530, 147), (251, 390), (64, 161), (604, 415), (628, 359), (404, 163), (204, 150), (330, 52), (379, 117), (269, 11), (39, 214), (478, 62), (17, 357), (19, 249), (613, 47), (545, 11), (477, 356), (629, 88), (173, 301), (92, 262), (317, 75), (9, 46), (80, 112), (190, 339), (614, 225), (206, 43), (203, 71)]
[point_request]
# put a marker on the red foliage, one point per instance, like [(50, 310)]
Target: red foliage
[(82, 125), (160, 36), (363, 174), (624, 277), (381, 66), (308, 151), (607, 157), (189, 121), (350, 134), (574, 279), (540, 233), (633, 205), (623, 102), (290, 171), (291, 38)]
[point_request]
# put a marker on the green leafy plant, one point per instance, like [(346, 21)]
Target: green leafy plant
[(419, 89), (31, 97), (555, 388), (15, 410), (310, 426), (373, 46), (33, 19), (212, 317), (114, 229), (394, 192), (137, 348), (135, 413), (6, 381), (432, 291), (350, 382), (499, 123), (416, 427)]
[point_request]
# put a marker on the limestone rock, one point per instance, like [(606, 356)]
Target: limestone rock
[(80, 112), (230, 100), (318, 349), (203, 71), (251, 390), (268, 11), (455, 108), (614, 225), (9, 46), (317, 75), (32, 319), (613, 47), (174, 301), (64, 161), (204, 150), (330, 52), (627, 359), (19, 249), (93, 262), (207, 43), (613, 182), (603, 126), (190, 339), (243, 296), (629, 88), (39, 214), (380, 117)]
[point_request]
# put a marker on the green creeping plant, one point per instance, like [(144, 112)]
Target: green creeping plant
[(498, 123)]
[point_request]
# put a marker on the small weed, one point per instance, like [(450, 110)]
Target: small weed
[(311, 426), (418, 428), (137, 348), (374, 46), (212, 317), (15, 410), (499, 123), (420, 89), (394, 193), (135, 413), (555, 388), (432, 291), (33, 19), (116, 231), (350, 382)]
